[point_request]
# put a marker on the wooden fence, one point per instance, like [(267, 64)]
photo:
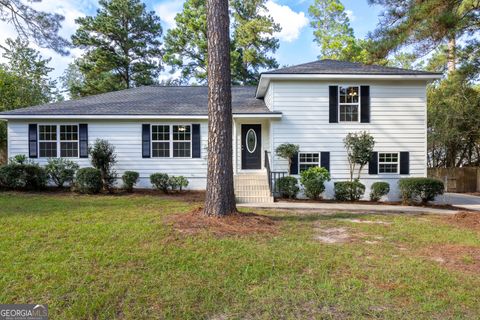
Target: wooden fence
[(466, 179)]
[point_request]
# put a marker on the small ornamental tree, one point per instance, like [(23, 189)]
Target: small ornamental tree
[(104, 158), (287, 151), (359, 146)]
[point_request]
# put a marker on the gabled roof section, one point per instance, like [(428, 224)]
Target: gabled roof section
[(328, 66), (154, 101), (340, 70)]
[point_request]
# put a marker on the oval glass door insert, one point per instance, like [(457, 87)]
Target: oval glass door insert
[(251, 141)]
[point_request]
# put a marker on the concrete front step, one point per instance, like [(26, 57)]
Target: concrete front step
[(252, 188), (254, 199)]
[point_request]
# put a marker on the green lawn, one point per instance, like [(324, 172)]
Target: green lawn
[(105, 257)]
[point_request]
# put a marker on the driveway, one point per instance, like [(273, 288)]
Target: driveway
[(460, 200)]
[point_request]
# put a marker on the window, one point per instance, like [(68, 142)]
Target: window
[(388, 163), (161, 141), (177, 138), (68, 141), (182, 141), (308, 160), (349, 106), (47, 140)]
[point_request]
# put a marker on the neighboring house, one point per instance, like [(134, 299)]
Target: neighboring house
[(314, 105)]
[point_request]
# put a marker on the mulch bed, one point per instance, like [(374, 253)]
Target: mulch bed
[(470, 220), (195, 222)]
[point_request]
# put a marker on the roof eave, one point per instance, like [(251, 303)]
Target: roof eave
[(130, 117), (265, 78)]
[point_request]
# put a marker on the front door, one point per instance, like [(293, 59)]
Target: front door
[(251, 146)]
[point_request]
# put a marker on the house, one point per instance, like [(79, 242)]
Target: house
[(314, 105)]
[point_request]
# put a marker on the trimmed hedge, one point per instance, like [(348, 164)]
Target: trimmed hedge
[(425, 189), (378, 190), (61, 171), (130, 178), (287, 186), (166, 183), (88, 180), (22, 174), (349, 190), (313, 181)]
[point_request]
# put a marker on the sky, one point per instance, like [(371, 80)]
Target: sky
[(296, 37)]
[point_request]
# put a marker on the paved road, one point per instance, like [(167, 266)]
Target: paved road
[(461, 200)]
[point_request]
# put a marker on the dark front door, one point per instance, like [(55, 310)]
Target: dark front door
[(251, 146)]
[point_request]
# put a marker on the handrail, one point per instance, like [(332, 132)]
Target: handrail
[(269, 174), (273, 176)]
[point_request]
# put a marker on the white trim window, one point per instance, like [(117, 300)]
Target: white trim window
[(47, 141), (160, 141), (349, 104), (307, 160), (182, 141), (388, 162), (69, 141), (171, 141)]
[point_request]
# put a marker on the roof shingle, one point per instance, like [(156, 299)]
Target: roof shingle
[(148, 100), (328, 66)]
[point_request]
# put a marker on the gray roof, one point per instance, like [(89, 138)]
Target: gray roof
[(328, 66), (149, 100)]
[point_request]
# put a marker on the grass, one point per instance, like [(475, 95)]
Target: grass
[(106, 257)]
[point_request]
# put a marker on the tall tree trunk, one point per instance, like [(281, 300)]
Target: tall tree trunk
[(220, 197), (452, 54)]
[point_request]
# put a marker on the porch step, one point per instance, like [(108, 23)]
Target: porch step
[(252, 188)]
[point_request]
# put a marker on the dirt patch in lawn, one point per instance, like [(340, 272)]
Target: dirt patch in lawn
[(195, 222), (454, 257), (339, 235), (470, 220)]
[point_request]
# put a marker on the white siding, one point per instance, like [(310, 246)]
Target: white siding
[(269, 97), (126, 136), (397, 122)]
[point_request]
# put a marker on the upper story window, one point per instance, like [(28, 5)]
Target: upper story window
[(171, 141), (58, 137), (307, 160), (349, 104), (388, 162)]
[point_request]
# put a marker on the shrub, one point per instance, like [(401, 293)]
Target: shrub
[(22, 174), (129, 178), (378, 190), (88, 180), (425, 189), (313, 181), (104, 158), (179, 183), (160, 181), (61, 171), (287, 151), (287, 186), (349, 190)]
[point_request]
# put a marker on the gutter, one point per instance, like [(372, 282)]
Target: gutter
[(5, 117)]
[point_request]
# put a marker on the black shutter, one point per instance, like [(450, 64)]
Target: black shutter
[(196, 144), (333, 104), (32, 141), (145, 141), (373, 163), (365, 104), (83, 135), (294, 164), (325, 160), (404, 163)]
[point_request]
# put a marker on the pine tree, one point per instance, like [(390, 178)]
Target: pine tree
[(122, 44)]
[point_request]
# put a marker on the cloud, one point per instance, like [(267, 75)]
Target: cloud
[(350, 15), (291, 22), (167, 11)]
